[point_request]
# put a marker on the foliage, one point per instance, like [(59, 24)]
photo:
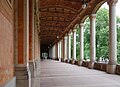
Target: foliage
[(102, 38), (87, 39), (78, 43), (118, 40)]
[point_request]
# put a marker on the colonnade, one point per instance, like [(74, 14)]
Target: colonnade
[(112, 41)]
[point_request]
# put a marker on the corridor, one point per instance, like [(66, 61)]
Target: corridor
[(58, 74)]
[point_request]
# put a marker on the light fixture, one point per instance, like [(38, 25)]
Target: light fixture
[(84, 5), (57, 36)]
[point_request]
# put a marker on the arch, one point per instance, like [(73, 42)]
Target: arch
[(75, 26), (84, 18), (98, 6)]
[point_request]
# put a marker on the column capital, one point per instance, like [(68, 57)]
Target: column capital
[(112, 2), (69, 34), (65, 37), (93, 16), (74, 30), (81, 24)]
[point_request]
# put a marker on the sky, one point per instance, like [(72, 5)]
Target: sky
[(117, 7)]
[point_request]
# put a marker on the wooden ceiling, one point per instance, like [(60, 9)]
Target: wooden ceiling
[(56, 17)]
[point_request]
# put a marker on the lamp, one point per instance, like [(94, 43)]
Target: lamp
[(57, 37), (84, 5)]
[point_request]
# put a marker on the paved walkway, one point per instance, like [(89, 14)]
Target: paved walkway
[(57, 74)]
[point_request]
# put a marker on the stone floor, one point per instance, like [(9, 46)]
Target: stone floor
[(57, 74)]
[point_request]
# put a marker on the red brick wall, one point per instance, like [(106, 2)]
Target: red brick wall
[(6, 41)]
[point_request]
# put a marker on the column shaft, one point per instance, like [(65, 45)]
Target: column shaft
[(74, 44), (92, 41), (63, 51), (65, 47), (81, 43), (112, 37), (69, 47), (60, 51), (56, 51)]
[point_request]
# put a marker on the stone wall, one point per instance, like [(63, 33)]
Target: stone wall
[(6, 41)]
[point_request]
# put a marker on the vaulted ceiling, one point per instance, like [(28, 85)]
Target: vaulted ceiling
[(57, 17)]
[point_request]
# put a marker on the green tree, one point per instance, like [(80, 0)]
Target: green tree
[(87, 39), (118, 40), (78, 43), (102, 36), (102, 22)]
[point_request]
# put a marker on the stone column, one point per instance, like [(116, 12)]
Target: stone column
[(60, 51), (22, 71), (74, 46), (81, 43), (31, 37), (65, 48), (69, 47), (92, 41), (111, 67), (56, 51)]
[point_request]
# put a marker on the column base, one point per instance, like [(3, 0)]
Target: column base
[(65, 60), (23, 77), (37, 65), (59, 59), (32, 69), (73, 61), (91, 65), (62, 60), (68, 60), (80, 63), (111, 69)]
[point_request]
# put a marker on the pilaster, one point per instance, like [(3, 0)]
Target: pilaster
[(22, 72)]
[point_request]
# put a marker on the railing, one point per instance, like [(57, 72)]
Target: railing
[(85, 63), (76, 62), (118, 69), (100, 66), (97, 65)]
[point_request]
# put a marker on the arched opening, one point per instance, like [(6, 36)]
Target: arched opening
[(87, 39), (78, 42), (102, 34), (118, 31)]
